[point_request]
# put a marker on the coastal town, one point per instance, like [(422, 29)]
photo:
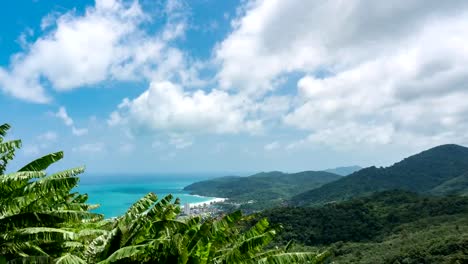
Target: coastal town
[(204, 209)]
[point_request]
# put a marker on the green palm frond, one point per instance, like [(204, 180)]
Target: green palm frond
[(69, 259), (3, 130), (125, 253), (43, 162), (159, 209), (10, 146), (7, 153), (91, 232), (140, 206), (31, 259), (17, 180), (73, 215), (44, 234), (21, 176), (68, 173), (259, 228), (300, 257), (52, 185), (19, 247), (253, 244), (227, 222), (39, 216)]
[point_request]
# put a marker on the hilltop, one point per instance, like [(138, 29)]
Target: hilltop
[(344, 171), (434, 170)]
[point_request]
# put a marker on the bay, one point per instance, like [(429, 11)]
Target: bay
[(116, 193)]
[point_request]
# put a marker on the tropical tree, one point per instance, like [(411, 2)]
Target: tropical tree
[(36, 208)]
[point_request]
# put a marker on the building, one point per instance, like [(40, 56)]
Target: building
[(187, 208)]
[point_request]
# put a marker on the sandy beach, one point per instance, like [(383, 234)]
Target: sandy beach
[(214, 200)]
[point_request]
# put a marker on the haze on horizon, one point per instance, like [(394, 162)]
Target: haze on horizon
[(232, 86)]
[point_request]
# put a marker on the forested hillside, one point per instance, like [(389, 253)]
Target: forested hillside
[(344, 171), (419, 173), (382, 228), (455, 186), (263, 190)]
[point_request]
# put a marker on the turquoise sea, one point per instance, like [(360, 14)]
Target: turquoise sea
[(115, 193)]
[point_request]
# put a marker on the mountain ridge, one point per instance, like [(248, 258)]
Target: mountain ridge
[(344, 170), (420, 173)]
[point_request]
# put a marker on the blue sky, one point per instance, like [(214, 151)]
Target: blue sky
[(232, 86)]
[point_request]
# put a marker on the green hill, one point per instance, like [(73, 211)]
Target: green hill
[(361, 219), (344, 171), (419, 173), (455, 186), (264, 189)]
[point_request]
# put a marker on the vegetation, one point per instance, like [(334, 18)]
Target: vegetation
[(387, 227), (42, 221), (262, 190), (344, 171), (422, 173), (455, 186), (35, 208), (151, 233)]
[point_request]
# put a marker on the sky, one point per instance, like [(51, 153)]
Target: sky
[(159, 86)]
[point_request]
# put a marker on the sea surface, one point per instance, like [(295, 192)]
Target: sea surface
[(116, 193)]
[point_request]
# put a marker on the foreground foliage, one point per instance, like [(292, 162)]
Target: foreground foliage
[(43, 221), (35, 207), (151, 233)]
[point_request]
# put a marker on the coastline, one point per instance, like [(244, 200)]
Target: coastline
[(213, 200)]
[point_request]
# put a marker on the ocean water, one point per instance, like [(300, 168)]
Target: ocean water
[(116, 193)]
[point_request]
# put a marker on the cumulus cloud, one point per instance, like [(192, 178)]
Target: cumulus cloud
[(180, 141), (90, 148), (165, 106), (48, 136), (272, 146), (40, 144), (68, 121), (108, 42), (271, 38), (395, 71), (126, 148)]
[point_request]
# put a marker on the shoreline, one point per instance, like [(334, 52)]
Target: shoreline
[(212, 200)]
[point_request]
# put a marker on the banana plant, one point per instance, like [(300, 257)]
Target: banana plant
[(151, 232), (35, 208)]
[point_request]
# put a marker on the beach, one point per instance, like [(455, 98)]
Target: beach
[(208, 202)]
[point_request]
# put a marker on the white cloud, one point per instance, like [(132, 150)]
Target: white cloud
[(79, 131), (48, 136), (90, 148), (156, 144), (41, 143), (62, 114), (272, 146), (396, 72), (126, 148), (68, 121), (274, 37), (167, 107), (180, 141), (107, 42)]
